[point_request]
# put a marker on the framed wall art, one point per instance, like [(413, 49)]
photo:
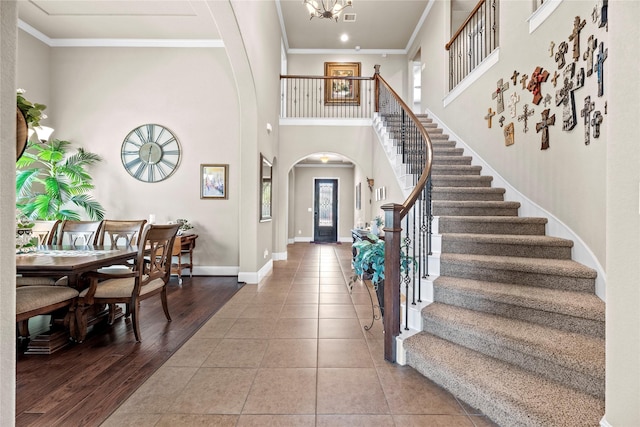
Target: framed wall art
[(266, 186), (214, 181), (342, 91)]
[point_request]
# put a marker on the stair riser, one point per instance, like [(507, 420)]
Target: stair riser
[(451, 160), (470, 196), (440, 181), (533, 229), (541, 316), (508, 352), (465, 170), (472, 211), (490, 274), (498, 249)]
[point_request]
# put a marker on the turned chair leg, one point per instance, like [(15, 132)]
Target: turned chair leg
[(134, 320), (81, 323)]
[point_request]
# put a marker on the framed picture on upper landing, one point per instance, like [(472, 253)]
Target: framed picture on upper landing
[(213, 181), (342, 90)]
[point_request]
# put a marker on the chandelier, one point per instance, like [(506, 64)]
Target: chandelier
[(326, 8)]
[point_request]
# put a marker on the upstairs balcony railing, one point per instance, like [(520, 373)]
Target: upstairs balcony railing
[(407, 225), (476, 38), (327, 97)]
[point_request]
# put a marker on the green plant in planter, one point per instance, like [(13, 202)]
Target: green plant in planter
[(32, 111), (368, 263), (48, 181)]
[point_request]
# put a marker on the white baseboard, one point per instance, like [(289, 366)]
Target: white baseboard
[(279, 256), (555, 227), (604, 422), (255, 277), (216, 270)]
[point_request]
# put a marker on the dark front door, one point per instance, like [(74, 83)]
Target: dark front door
[(325, 218)]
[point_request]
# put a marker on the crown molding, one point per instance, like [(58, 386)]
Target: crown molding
[(51, 42)]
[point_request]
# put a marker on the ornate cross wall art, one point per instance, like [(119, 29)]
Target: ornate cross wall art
[(565, 96), (514, 98), (595, 14), (523, 80), (501, 121), (509, 134), (514, 77), (586, 113), (554, 79), (598, 67), (563, 48), (543, 126), (537, 78), (547, 100), (595, 122), (498, 95), (489, 116), (552, 46), (592, 45), (604, 12), (524, 117), (575, 36)]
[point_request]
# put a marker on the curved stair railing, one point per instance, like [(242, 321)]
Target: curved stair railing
[(414, 239)]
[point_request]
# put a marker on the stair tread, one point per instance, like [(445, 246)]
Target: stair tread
[(468, 190), (516, 219), (578, 304), (572, 350), (492, 385), (563, 267), (461, 177), (476, 203), (509, 239)]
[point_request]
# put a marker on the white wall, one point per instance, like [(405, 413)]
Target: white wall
[(8, 63), (568, 179)]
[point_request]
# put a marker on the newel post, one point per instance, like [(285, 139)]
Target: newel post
[(392, 243), (377, 88)]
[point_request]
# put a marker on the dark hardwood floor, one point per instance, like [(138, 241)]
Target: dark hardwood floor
[(82, 384)]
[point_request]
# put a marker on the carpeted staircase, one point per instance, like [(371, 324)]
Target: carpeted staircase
[(515, 329)]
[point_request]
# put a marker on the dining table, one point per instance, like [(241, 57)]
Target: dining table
[(57, 261)]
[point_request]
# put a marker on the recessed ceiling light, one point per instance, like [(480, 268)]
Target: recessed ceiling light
[(344, 38)]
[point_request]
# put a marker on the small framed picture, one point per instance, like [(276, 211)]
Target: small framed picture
[(214, 181)]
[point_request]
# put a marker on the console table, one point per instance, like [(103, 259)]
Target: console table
[(183, 246)]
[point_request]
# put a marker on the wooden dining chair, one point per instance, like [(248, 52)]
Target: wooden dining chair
[(150, 277), (45, 231), (78, 233), (120, 232)]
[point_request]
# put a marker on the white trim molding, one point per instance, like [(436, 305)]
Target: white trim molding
[(255, 277), (542, 13), (216, 270), (279, 256), (324, 122), (604, 422)]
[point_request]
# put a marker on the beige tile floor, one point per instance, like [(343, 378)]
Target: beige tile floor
[(292, 351)]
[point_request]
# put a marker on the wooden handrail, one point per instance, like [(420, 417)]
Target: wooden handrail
[(422, 182), (464, 24), (282, 76)]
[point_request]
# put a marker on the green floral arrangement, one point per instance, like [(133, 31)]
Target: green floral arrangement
[(378, 220), (32, 111), (184, 224), (25, 242)]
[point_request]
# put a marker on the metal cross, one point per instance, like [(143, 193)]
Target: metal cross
[(524, 117), (489, 116), (586, 113), (592, 45), (523, 80), (575, 36), (595, 122), (543, 126), (538, 77), (498, 95), (514, 77), (598, 67), (563, 48), (514, 98)]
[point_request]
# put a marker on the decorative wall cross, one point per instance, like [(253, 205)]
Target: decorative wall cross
[(538, 76), (543, 126), (563, 48), (552, 46), (523, 80), (489, 116), (501, 121), (595, 14), (509, 134), (514, 77), (604, 13), (575, 36), (586, 113), (564, 96), (595, 122), (514, 98), (498, 95), (598, 67), (554, 79), (547, 100), (592, 45), (524, 117)]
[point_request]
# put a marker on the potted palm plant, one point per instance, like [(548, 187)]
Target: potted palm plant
[(49, 182)]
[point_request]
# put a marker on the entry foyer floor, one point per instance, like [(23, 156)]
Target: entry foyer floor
[(292, 351)]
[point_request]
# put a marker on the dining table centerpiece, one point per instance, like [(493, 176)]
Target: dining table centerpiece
[(25, 240)]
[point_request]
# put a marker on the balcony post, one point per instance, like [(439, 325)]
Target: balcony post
[(376, 88)]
